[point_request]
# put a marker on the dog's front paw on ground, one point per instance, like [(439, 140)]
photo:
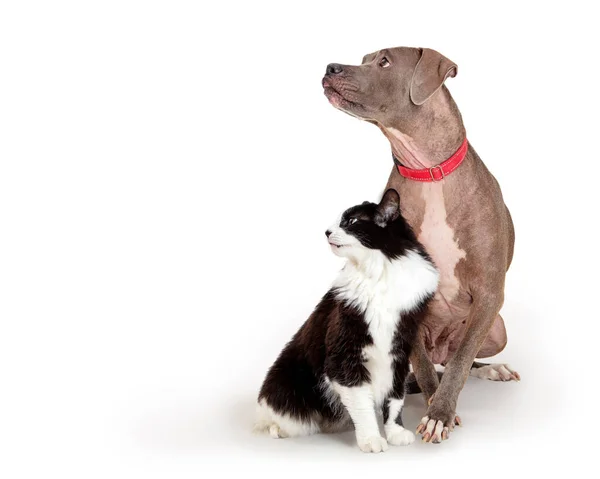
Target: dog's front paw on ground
[(372, 444), (496, 372), (399, 436), (437, 425)]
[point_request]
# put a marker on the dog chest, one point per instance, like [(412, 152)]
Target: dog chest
[(440, 240)]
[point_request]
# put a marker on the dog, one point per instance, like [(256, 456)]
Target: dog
[(454, 205)]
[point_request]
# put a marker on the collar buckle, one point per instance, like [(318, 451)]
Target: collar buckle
[(431, 170)]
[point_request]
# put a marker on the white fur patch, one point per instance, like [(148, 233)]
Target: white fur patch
[(360, 404), (280, 426), (396, 434), (399, 436), (394, 408), (343, 244), (382, 290), (373, 444)]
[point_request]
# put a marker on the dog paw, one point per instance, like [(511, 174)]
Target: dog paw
[(373, 444), (398, 436), (496, 372), (437, 425)]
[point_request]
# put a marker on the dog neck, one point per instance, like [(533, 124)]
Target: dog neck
[(430, 140)]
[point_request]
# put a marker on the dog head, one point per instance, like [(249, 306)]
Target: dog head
[(389, 86)]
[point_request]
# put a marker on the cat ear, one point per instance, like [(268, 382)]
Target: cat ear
[(388, 209), (365, 202)]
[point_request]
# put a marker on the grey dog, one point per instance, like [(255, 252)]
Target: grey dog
[(460, 217)]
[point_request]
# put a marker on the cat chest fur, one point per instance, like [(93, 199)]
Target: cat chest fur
[(383, 293), (378, 357)]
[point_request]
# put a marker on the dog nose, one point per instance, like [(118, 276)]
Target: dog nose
[(328, 233), (334, 69)]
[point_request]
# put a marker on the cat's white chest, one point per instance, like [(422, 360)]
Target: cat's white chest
[(382, 291), (377, 356)]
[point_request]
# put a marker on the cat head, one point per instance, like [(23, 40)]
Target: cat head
[(368, 228)]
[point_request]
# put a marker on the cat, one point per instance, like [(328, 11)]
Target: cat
[(350, 359)]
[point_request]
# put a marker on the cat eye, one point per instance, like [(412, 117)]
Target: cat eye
[(351, 221), (384, 63)]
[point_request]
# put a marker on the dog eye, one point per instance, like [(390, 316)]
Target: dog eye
[(351, 221), (384, 63)]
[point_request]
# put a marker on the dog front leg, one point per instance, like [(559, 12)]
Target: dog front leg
[(425, 373), (441, 414)]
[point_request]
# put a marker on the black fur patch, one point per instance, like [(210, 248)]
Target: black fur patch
[(393, 239)]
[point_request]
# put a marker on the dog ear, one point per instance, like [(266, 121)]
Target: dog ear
[(430, 73), (388, 209)]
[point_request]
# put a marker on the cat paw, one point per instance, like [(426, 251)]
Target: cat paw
[(373, 444), (398, 436), (496, 372), (276, 432)]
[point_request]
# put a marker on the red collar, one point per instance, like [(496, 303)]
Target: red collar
[(437, 172)]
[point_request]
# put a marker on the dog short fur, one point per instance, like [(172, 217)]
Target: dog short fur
[(461, 220)]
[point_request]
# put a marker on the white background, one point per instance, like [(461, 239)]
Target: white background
[(167, 172)]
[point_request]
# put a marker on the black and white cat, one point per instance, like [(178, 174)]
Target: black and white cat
[(351, 357)]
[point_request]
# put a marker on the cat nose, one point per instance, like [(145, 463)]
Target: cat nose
[(328, 233)]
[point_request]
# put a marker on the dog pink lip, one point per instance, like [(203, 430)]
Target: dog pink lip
[(334, 97), (329, 87), (337, 99)]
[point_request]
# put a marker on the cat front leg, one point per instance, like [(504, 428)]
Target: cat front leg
[(359, 402), (395, 432)]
